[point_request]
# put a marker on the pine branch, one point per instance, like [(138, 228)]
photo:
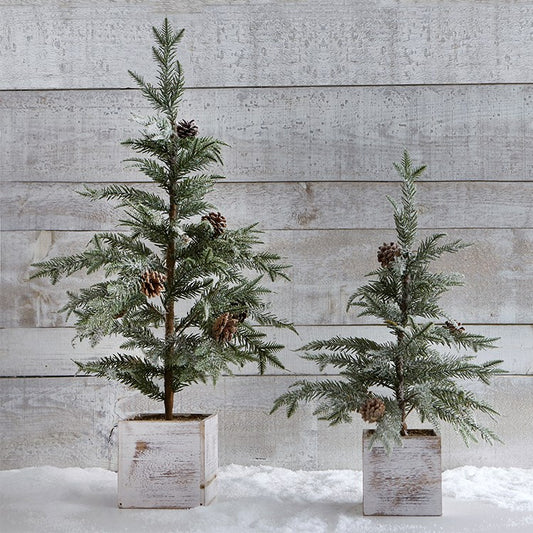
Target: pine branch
[(428, 250), (337, 399), (197, 154), (154, 170), (460, 339), (358, 345), (148, 90), (265, 318), (129, 197), (95, 257), (130, 370), (250, 342)]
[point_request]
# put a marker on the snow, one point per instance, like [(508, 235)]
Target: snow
[(509, 488), (261, 499)]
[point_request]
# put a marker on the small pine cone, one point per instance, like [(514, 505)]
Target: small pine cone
[(152, 283), (372, 410), (217, 221), (454, 327), (224, 327), (388, 253), (186, 129)]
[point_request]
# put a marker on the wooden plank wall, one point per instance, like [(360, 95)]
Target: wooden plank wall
[(317, 99)]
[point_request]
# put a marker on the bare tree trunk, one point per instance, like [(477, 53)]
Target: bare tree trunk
[(400, 381), (169, 316)]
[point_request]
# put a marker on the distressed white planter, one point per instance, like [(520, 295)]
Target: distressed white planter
[(406, 482), (167, 464)]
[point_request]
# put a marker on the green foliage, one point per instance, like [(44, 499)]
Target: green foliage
[(168, 339), (422, 367)]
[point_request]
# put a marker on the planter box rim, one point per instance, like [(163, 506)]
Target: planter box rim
[(412, 434), (178, 417)]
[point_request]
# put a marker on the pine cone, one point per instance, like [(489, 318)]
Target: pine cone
[(152, 283), (224, 327), (372, 410), (388, 253), (186, 129), (217, 221), (454, 327)]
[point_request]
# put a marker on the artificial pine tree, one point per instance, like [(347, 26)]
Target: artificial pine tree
[(415, 371), (175, 279)]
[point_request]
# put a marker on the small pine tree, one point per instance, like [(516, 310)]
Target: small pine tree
[(176, 288), (386, 381)]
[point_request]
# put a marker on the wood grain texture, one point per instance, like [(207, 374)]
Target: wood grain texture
[(49, 351), (406, 482), (68, 421), (162, 464), (297, 205), (328, 267), (90, 44), (287, 134)]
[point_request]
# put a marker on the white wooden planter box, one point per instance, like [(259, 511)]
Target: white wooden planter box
[(406, 482), (167, 464)]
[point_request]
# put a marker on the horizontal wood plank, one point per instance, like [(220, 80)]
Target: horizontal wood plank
[(297, 205), (290, 134), (69, 422), (328, 266), (91, 44), (49, 351)]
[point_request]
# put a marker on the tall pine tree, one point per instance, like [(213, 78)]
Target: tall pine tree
[(419, 368), (176, 287)]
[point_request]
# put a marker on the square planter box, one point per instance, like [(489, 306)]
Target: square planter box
[(406, 482), (167, 464)]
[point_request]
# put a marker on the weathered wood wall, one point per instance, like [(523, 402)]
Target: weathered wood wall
[(317, 99)]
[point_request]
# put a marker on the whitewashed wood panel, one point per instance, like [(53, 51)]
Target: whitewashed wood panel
[(297, 205), (68, 421), (289, 85), (288, 134), (50, 44), (49, 351), (328, 266)]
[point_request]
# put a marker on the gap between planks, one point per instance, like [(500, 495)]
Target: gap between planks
[(303, 87), (103, 184), (236, 376), (272, 230)]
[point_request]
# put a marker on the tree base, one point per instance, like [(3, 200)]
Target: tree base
[(406, 482), (167, 464)]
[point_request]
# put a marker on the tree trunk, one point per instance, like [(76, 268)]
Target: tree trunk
[(169, 316), (400, 387), (169, 394)]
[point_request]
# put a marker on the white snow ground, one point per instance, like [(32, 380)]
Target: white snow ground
[(261, 499)]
